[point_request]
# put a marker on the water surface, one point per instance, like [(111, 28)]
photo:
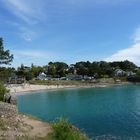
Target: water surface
[(111, 111)]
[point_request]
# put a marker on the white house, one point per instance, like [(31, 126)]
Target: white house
[(131, 73), (119, 72), (42, 76)]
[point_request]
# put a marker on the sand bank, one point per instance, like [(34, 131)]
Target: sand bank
[(20, 89), (25, 88)]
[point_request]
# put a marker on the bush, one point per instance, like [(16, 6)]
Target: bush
[(63, 130), (3, 91), (133, 79)]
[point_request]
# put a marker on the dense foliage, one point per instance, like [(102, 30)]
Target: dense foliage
[(5, 73), (103, 68), (3, 91), (56, 69), (5, 56), (61, 69), (63, 130), (133, 79)]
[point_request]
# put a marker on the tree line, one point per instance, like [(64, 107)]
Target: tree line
[(60, 69)]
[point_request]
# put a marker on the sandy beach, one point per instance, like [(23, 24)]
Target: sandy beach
[(25, 88), (21, 89)]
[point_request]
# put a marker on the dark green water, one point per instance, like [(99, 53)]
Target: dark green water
[(107, 112)]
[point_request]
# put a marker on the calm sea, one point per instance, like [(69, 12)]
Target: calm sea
[(110, 112)]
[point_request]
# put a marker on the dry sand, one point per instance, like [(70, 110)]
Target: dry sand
[(26, 88), (39, 128)]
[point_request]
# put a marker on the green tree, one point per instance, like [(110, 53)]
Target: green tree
[(105, 69), (5, 56), (21, 71), (57, 69), (127, 65), (35, 70), (82, 68), (3, 91), (124, 65), (5, 73)]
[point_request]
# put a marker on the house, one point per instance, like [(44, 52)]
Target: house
[(74, 77), (70, 76), (87, 77), (119, 72), (27, 69), (14, 79), (63, 78), (42, 76), (130, 73)]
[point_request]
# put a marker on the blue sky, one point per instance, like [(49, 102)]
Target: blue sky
[(39, 31)]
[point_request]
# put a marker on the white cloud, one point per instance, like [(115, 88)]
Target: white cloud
[(27, 34), (30, 53), (132, 53), (28, 10), (136, 35), (27, 57)]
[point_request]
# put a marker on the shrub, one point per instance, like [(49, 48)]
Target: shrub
[(63, 130), (3, 91), (133, 79)]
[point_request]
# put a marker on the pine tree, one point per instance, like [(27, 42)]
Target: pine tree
[(5, 56)]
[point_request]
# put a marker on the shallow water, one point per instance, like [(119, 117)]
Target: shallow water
[(112, 112)]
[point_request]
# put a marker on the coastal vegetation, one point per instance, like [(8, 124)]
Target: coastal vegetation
[(5, 56), (134, 79), (57, 73), (91, 69), (58, 82), (78, 71), (63, 130), (3, 91)]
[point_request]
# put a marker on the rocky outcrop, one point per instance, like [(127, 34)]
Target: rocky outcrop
[(10, 122), (15, 126), (10, 98), (7, 110)]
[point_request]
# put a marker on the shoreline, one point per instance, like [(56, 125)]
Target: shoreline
[(15, 125), (38, 125), (17, 90)]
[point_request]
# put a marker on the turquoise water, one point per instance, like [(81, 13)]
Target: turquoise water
[(106, 112)]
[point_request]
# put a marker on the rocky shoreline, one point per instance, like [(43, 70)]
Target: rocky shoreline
[(10, 121), (17, 126)]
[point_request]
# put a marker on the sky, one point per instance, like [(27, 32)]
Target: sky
[(40, 31)]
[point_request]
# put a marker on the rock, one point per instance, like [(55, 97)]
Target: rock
[(7, 110), (2, 116), (9, 98), (8, 127), (13, 100)]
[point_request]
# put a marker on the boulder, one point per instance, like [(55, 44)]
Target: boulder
[(8, 98)]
